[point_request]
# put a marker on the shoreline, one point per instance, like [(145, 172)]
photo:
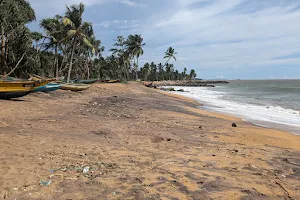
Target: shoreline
[(139, 143), (262, 121), (203, 106)]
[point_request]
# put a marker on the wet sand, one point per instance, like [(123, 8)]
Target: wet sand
[(138, 143)]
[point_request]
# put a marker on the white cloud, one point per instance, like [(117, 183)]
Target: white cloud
[(131, 3), (123, 24)]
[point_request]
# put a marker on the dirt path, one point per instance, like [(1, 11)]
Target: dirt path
[(138, 143)]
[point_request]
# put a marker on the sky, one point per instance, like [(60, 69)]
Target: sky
[(220, 39)]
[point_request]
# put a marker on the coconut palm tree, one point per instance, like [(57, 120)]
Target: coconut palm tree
[(184, 73), (193, 74), (169, 54), (54, 30), (146, 71), (76, 31), (89, 52), (161, 71), (134, 46), (122, 55), (153, 71)]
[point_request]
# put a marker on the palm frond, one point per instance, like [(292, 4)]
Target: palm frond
[(71, 33), (67, 22)]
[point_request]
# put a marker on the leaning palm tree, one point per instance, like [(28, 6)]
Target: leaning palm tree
[(134, 46), (170, 53), (76, 30)]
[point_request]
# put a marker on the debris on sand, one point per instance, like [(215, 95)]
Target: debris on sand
[(234, 125), (86, 170), (45, 183)]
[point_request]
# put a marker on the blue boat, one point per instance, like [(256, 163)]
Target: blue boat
[(48, 88)]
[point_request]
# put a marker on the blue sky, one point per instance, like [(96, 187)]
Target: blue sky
[(227, 39)]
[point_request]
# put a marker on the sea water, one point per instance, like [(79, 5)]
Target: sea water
[(268, 103)]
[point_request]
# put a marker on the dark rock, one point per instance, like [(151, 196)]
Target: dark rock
[(169, 139), (234, 125), (200, 127), (193, 83)]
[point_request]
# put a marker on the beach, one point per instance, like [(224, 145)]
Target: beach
[(127, 141)]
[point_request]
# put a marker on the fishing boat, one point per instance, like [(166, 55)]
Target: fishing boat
[(74, 87), (50, 87), (88, 81), (14, 89), (114, 81)]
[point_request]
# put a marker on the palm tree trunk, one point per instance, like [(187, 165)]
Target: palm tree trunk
[(2, 47), (87, 67), (62, 64), (167, 61), (125, 72), (56, 62), (71, 61), (137, 68)]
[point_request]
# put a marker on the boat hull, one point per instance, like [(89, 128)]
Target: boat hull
[(11, 95), (90, 81), (48, 88), (75, 87), (18, 88)]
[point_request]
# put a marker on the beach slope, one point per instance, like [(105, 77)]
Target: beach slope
[(126, 141)]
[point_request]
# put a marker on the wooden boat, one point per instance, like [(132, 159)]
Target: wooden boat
[(18, 88), (50, 87), (88, 81), (74, 87), (114, 81)]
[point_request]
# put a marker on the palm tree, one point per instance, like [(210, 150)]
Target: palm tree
[(134, 46), (76, 30), (193, 74), (145, 71), (122, 55), (90, 52), (184, 73), (170, 53), (153, 70), (55, 33), (161, 71)]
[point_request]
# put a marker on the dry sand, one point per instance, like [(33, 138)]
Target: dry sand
[(139, 143)]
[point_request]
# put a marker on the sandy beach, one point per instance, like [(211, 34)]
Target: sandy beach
[(126, 141)]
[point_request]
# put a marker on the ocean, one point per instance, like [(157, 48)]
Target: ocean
[(267, 103)]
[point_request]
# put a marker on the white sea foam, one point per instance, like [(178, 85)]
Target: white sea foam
[(269, 116)]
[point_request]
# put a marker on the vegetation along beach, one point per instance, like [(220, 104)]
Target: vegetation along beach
[(79, 121)]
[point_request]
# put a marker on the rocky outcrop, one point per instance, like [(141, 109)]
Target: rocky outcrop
[(190, 83)]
